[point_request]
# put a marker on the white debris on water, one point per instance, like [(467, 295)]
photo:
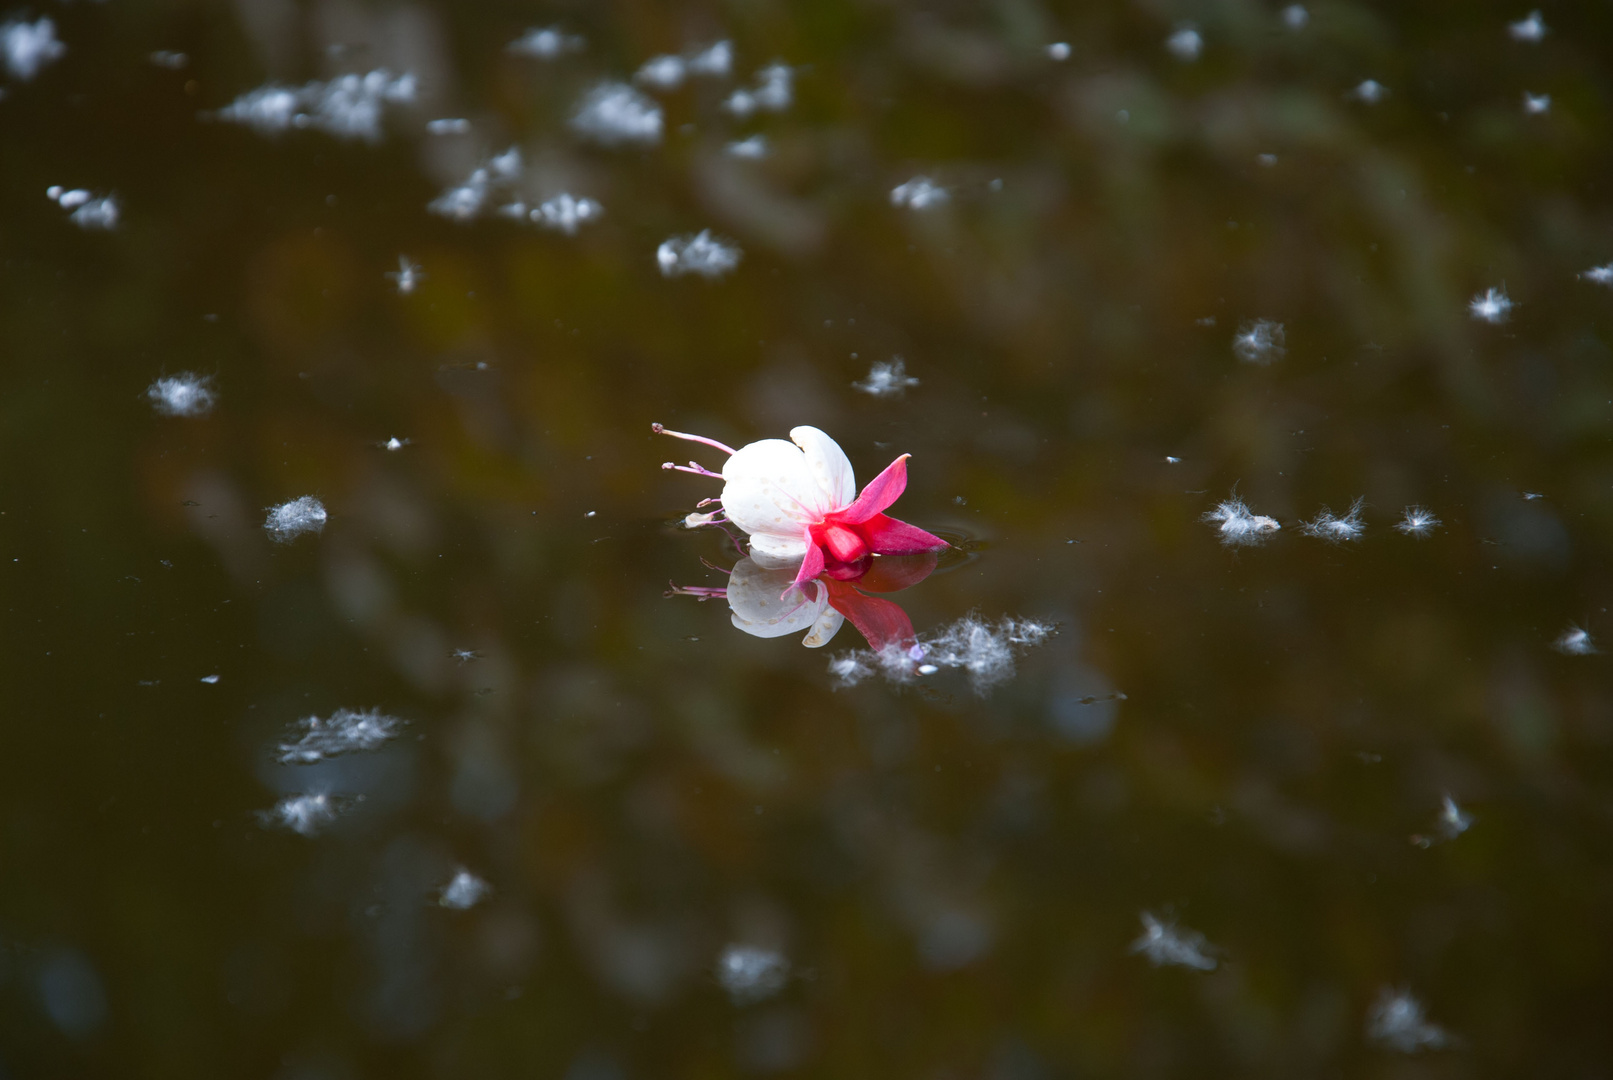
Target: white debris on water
[(185, 394), (1185, 43), (395, 443), (1418, 521), (1261, 341), (668, 72), (751, 974), (26, 47), (89, 211), (406, 276), (1491, 306), (616, 114), (1397, 1022), (210, 680), (347, 107), (1166, 944), (467, 201), (752, 148), (1575, 641), (662, 73), (465, 891), (1295, 17), (700, 254), (1329, 526), (1059, 51), (566, 213), (1453, 822), (984, 650), (303, 814), (1238, 525), (1536, 104), (345, 731), (773, 91), (291, 519), (1600, 275), (99, 213), (448, 125), (1370, 92), (173, 61), (886, 380), (1531, 28), (851, 668), (715, 60), (919, 193), (546, 43), (464, 202)]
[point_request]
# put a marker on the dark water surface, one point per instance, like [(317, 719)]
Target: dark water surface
[(939, 878)]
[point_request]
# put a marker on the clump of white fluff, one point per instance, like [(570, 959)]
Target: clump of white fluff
[(616, 114), (185, 394), (347, 107), (984, 650), (344, 731), (1260, 342), (1165, 943), (291, 519), (465, 891), (701, 254), (750, 973), (1238, 525)]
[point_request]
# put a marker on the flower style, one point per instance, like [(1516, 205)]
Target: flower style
[(798, 500)]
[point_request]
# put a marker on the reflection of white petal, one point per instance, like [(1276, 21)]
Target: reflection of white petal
[(830, 467), (754, 596), (769, 489), (776, 552), (824, 630)]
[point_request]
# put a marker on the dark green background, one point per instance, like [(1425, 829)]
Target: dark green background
[(639, 782)]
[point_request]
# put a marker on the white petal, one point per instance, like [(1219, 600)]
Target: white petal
[(827, 626), (830, 467), (776, 552), (753, 595), (768, 489)]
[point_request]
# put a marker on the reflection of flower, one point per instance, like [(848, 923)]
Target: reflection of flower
[(798, 500), (767, 600)]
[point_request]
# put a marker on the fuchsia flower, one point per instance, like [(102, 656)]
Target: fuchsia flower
[(798, 500)]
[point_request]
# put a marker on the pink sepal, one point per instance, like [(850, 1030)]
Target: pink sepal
[(881, 491), (888, 536)]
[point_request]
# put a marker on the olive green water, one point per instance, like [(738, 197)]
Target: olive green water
[(955, 880)]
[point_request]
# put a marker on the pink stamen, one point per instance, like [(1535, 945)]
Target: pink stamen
[(739, 545), (659, 430)]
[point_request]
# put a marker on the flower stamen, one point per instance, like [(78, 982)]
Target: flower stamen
[(695, 468), (659, 430)]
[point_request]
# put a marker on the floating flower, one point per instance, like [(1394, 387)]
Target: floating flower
[(798, 500)]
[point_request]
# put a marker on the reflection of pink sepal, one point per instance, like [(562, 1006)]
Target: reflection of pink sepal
[(882, 622)]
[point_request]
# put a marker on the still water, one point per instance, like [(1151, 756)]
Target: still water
[(372, 709)]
